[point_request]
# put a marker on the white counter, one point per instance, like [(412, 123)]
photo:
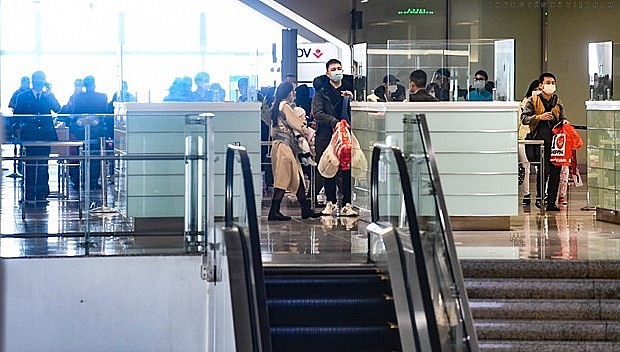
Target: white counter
[(155, 189), (475, 145)]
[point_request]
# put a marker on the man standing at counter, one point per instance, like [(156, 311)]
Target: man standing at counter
[(327, 111), (417, 82), (542, 112)]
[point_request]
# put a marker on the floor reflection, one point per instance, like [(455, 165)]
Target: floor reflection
[(567, 235)]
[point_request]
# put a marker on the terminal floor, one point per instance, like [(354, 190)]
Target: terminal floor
[(571, 233)]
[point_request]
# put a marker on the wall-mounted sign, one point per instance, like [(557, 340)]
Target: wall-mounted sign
[(316, 52), (415, 11)]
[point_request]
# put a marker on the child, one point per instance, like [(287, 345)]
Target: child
[(305, 157)]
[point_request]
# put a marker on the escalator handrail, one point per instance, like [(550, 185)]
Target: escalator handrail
[(416, 242), (253, 265), (446, 225)]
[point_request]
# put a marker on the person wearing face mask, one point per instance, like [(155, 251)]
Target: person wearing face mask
[(287, 172), (441, 81), (390, 90), (479, 91), (542, 112), (533, 89), (327, 107)]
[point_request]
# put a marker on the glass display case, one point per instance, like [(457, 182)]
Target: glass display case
[(604, 158), (451, 65)]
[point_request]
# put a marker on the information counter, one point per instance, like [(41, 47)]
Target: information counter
[(475, 146), (156, 189), (603, 141)]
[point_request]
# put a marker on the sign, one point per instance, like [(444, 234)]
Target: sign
[(415, 11), (316, 52)]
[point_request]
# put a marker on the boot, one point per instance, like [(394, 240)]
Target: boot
[(274, 212), (306, 211)]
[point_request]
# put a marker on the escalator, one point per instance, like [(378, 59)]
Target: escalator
[(409, 296), (336, 308), (301, 307)]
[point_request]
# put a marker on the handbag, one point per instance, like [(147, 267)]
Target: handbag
[(329, 164)]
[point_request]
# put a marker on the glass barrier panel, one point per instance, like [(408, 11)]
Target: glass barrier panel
[(87, 193), (451, 68), (448, 294), (390, 194), (600, 70)]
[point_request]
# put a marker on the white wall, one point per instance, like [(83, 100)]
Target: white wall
[(129, 303)]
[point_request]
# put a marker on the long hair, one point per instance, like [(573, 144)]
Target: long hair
[(531, 88), (284, 89)]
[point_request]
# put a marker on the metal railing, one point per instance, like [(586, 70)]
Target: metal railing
[(248, 292), (424, 230), (96, 217)]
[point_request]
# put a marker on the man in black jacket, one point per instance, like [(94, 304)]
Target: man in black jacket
[(327, 106), (37, 125), (417, 82)]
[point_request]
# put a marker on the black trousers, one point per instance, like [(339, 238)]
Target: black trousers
[(36, 174), (341, 181)]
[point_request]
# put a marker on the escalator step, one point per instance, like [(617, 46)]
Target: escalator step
[(326, 286), (335, 338), (353, 311), (330, 309), (314, 270)]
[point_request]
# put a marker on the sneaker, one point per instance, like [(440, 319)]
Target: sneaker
[(527, 199), (562, 200), (538, 203), (552, 207), (330, 208), (348, 210)]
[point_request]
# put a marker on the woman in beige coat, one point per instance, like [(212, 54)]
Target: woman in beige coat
[(287, 173)]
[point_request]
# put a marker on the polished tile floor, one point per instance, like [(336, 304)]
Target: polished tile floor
[(571, 233)]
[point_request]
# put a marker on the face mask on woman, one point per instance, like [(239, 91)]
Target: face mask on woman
[(478, 84), (536, 92), (336, 76), (549, 89), (392, 88)]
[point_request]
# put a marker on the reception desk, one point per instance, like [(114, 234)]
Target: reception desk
[(603, 141), (475, 146), (156, 189)]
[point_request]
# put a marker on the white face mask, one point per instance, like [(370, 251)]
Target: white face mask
[(336, 75), (549, 89), (536, 92), (392, 88), (478, 84)]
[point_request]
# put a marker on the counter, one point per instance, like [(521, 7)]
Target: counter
[(475, 146), (155, 189)]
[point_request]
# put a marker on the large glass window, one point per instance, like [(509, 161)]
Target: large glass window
[(146, 43)]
